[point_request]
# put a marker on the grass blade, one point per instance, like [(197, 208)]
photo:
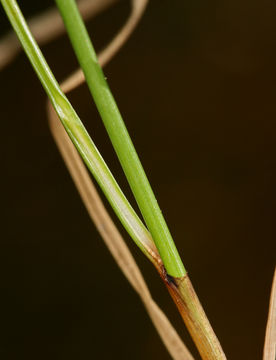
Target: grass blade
[(47, 26), (114, 240), (79, 135), (270, 336), (120, 138), (179, 287)]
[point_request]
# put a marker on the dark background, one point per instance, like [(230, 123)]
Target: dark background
[(196, 87)]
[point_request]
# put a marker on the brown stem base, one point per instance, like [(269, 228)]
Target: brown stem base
[(188, 304)]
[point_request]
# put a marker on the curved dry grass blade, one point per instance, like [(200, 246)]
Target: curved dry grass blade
[(270, 336), (48, 26)]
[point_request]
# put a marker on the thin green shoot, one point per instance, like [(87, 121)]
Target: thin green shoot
[(120, 138), (79, 135)]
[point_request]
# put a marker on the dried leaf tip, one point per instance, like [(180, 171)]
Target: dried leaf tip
[(270, 336)]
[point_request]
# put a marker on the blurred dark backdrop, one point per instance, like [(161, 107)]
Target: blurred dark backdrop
[(196, 86)]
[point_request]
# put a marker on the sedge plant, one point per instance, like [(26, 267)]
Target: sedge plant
[(154, 239)]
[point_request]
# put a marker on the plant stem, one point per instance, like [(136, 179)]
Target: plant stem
[(191, 311), (79, 135), (174, 274), (120, 138), (179, 286)]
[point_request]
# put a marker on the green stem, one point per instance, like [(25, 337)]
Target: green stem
[(79, 135), (120, 138), (179, 286)]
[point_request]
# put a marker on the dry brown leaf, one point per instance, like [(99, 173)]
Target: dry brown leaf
[(46, 27), (270, 336)]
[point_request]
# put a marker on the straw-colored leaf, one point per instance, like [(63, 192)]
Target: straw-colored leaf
[(48, 26), (270, 336)]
